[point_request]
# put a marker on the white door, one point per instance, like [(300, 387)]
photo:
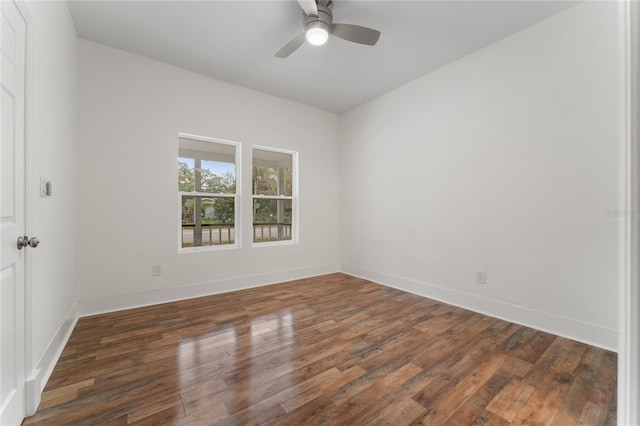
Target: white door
[(12, 214)]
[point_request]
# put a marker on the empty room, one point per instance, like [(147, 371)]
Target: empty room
[(315, 212)]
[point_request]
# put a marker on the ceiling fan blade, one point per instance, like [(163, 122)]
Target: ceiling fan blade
[(356, 33), (292, 46), (309, 6)]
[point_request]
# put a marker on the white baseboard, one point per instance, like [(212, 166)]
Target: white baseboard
[(40, 374), (120, 302), (591, 334)]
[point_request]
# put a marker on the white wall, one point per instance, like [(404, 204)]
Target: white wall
[(505, 162), (53, 219), (131, 110)]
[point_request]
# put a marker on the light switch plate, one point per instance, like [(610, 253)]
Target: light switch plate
[(43, 187)]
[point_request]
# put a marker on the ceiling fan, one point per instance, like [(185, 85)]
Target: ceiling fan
[(318, 24)]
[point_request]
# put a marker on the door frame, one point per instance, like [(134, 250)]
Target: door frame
[(629, 290)]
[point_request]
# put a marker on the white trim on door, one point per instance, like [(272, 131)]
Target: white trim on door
[(28, 203)]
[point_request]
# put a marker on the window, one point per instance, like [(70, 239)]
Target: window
[(208, 186), (274, 195)]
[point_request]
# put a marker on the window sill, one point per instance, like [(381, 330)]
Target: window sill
[(222, 247), (274, 243)]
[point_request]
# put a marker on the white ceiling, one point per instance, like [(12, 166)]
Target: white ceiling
[(235, 41)]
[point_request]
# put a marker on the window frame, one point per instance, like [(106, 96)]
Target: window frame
[(237, 205), (294, 197)]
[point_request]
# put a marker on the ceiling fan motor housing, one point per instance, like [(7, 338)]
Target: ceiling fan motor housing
[(324, 18)]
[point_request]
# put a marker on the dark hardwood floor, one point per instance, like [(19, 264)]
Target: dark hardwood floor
[(326, 350)]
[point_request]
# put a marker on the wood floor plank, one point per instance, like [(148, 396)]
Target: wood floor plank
[(333, 349), (511, 370), (401, 413), (167, 407), (475, 405), (63, 394), (604, 386), (448, 404), (545, 400), (490, 419), (379, 389), (510, 400), (593, 414)]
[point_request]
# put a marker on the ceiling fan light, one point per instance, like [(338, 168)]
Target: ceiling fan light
[(317, 35)]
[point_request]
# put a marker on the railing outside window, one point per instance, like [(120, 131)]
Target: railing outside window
[(271, 232), (220, 234), (212, 235)]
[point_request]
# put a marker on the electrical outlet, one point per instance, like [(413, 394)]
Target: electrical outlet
[(156, 270), (481, 277)]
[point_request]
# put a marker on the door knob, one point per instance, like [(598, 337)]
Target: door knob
[(24, 241)]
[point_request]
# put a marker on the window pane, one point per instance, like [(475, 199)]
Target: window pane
[(271, 220), (206, 167), (207, 221), (206, 176), (272, 173)]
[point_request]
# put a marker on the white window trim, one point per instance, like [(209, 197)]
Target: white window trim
[(237, 205), (295, 217)]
